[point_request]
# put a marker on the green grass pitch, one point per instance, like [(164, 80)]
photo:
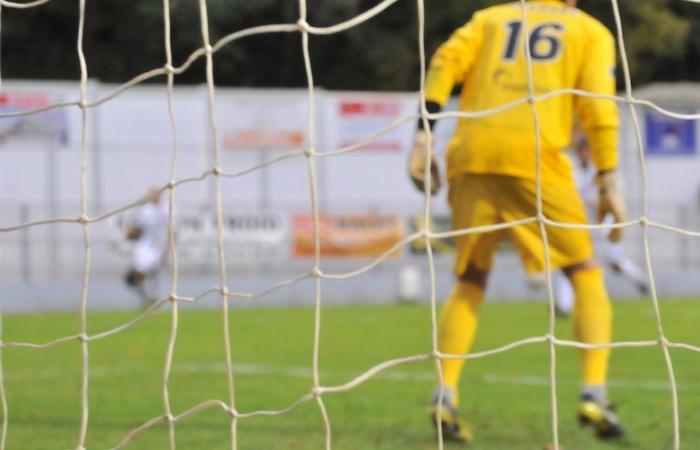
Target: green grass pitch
[(505, 397)]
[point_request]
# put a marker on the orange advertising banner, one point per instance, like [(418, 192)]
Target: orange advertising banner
[(349, 235)]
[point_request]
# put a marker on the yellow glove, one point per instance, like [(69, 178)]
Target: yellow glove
[(417, 161), (610, 201)]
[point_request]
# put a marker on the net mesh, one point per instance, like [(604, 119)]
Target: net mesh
[(311, 155)]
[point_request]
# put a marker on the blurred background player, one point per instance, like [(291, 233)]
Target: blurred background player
[(149, 232), (609, 252), (492, 179)]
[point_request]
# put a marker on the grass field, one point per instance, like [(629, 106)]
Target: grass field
[(505, 397)]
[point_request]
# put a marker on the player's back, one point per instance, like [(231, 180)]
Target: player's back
[(561, 40)]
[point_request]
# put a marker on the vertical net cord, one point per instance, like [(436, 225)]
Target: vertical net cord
[(83, 337), (3, 396), (219, 220), (204, 20), (663, 340), (541, 221), (171, 232), (313, 188), (425, 227)]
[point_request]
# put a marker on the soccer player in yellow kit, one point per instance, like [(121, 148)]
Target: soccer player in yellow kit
[(491, 174)]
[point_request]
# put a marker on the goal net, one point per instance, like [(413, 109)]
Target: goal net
[(42, 116)]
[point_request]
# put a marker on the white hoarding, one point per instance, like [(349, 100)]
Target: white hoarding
[(351, 117)]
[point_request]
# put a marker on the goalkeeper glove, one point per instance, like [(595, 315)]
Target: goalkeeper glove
[(610, 201), (417, 161)]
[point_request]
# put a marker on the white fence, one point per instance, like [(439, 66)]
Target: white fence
[(130, 145)]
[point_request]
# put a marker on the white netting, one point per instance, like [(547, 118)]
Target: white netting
[(317, 391)]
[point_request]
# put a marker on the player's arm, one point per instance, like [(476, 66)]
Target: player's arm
[(600, 122), (447, 68)]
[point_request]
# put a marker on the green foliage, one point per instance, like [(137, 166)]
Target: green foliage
[(657, 37), (123, 39)]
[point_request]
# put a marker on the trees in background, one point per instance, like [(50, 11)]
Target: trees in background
[(123, 39)]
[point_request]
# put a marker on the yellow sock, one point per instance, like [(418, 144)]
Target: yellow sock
[(592, 320), (456, 329)]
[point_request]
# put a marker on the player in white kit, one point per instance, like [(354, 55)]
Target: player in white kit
[(149, 231), (608, 252)]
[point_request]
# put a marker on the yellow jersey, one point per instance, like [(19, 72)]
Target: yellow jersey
[(569, 49)]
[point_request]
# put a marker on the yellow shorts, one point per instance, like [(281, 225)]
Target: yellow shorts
[(483, 199)]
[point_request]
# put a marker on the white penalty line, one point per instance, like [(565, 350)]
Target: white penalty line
[(253, 369)]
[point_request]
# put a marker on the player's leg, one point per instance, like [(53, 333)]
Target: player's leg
[(134, 279), (620, 263), (456, 329), (563, 295), (457, 325), (145, 262), (571, 250), (459, 315), (592, 320)]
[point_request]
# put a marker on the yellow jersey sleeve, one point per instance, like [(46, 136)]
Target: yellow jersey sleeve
[(598, 117), (453, 59)]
